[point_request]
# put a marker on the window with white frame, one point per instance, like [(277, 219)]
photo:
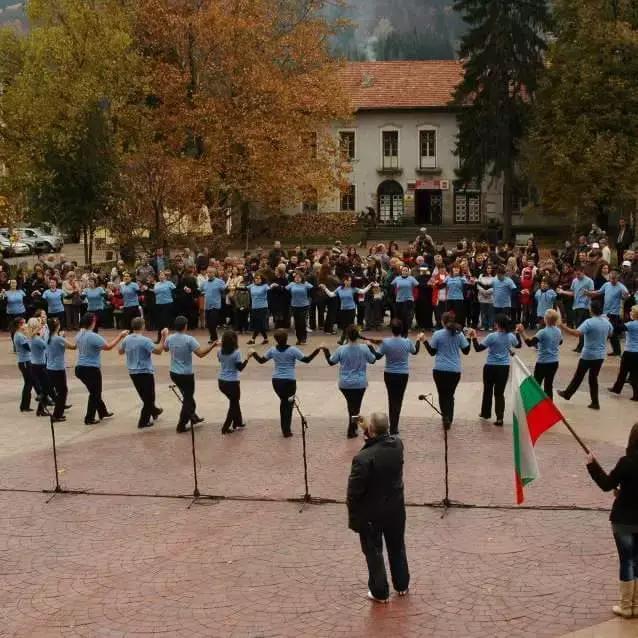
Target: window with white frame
[(347, 141), (349, 198), (427, 148), (390, 149)]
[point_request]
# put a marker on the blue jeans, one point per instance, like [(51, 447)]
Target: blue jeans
[(627, 545)]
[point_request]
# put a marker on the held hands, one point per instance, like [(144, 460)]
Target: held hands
[(520, 328), (472, 334), (165, 332), (252, 352), (124, 333), (421, 337), (187, 290)]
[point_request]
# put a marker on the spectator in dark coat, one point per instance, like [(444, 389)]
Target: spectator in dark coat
[(376, 507), (624, 239)]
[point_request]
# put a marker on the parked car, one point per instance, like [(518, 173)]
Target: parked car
[(13, 248), (42, 242)]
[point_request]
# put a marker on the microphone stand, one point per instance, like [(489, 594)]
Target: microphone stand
[(57, 489), (446, 503), (196, 492), (304, 427)]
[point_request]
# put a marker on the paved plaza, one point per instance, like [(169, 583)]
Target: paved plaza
[(251, 564)]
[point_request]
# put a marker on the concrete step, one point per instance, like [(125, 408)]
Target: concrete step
[(443, 234)]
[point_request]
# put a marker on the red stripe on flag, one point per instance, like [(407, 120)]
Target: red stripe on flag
[(542, 417), (520, 496)]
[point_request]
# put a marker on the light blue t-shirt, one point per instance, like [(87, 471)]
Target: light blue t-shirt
[(258, 296), (299, 294), (579, 287), (346, 298), (596, 331), (228, 365), (549, 340), (397, 351), (285, 362), (545, 300), (163, 292), (94, 298), (448, 346), (455, 288), (404, 287), (38, 351), (613, 298), (55, 353), (23, 347), (213, 290), (181, 346), (503, 292), (54, 301), (354, 359), (138, 350), (129, 294), (90, 347), (631, 338), (15, 302), (499, 345)]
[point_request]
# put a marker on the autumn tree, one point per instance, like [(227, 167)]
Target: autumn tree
[(502, 53), (582, 151), (246, 91)]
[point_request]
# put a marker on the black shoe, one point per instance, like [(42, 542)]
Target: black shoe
[(107, 415), (26, 409), (485, 418), (141, 426), (157, 413), (352, 434), (241, 426), (634, 399), (613, 390), (182, 428), (593, 406), (226, 430), (91, 421), (498, 424), (68, 407), (563, 395), (41, 413), (287, 435), (196, 419), (577, 350), (59, 419), (250, 343)]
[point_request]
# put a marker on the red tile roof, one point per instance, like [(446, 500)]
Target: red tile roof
[(401, 85)]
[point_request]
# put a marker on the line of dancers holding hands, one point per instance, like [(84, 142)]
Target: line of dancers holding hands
[(40, 348)]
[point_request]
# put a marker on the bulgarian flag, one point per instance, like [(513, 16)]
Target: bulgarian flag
[(534, 414)]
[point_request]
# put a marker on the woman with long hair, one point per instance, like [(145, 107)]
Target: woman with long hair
[(404, 286), (231, 365), (547, 341), (299, 290), (629, 361), (258, 291), (87, 368), (164, 290), (95, 297), (56, 368), (496, 370), (623, 479), (353, 359), (396, 350), (446, 347), (38, 345), (347, 296), (284, 380), (22, 347), (15, 304)]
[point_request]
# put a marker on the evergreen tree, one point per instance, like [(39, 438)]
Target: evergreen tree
[(582, 151), (503, 55)]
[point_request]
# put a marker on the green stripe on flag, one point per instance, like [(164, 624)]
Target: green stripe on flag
[(531, 394)]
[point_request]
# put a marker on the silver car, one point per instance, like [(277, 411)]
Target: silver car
[(41, 241), (13, 248)]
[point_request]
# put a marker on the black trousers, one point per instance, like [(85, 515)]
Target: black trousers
[(128, 314), (57, 380), (186, 385), (628, 368), (457, 306), (372, 535), (41, 385), (212, 321), (92, 379), (259, 322), (164, 317), (346, 318), (544, 374), (405, 312), (446, 383), (580, 314), (614, 340), (331, 314), (145, 386), (395, 385), (301, 329), (231, 390), (285, 388), (354, 399), (508, 312), (592, 366), (494, 382), (27, 378)]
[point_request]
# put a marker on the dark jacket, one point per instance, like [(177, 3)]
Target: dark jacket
[(375, 486), (624, 476)]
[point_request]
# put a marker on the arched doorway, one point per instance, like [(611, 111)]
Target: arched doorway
[(391, 203)]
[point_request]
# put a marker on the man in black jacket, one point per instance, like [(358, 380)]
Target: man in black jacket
[(376, 508), (624, 240)]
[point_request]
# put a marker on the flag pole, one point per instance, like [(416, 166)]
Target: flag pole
[(564, 420)]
